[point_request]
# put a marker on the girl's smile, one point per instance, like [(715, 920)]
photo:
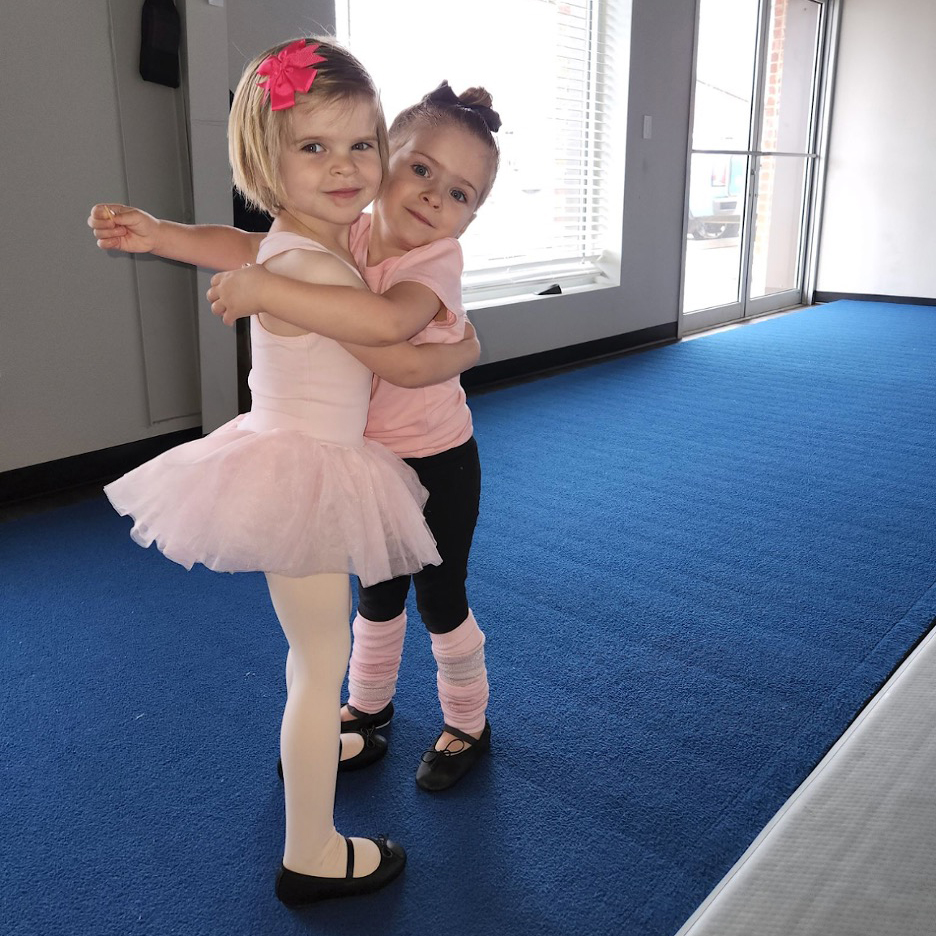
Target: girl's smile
[(419, 217), (345, 193)]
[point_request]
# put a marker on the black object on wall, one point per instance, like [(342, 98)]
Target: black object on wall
[(160, 38)]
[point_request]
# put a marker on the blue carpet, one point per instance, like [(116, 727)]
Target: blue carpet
[(694, 566)]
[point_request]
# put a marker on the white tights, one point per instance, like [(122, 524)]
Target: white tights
[(314, 613)]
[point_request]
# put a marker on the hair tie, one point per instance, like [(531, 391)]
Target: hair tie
[(446, 97), (288, 72)]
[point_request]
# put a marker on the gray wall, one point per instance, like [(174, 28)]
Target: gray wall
[(94, 351), (878, 229), (81, 367)]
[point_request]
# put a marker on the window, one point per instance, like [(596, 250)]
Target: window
[(554, 69)]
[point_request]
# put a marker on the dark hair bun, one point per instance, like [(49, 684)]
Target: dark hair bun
[(476, 96), (474, 101)]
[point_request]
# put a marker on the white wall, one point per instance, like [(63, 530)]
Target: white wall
[(72, 336), (879, 222)]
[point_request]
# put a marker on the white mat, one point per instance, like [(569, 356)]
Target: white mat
[(853, 852)]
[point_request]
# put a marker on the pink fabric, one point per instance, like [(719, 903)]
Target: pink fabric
[(462, 676), (292, 487), (375, 662), (414, 423)]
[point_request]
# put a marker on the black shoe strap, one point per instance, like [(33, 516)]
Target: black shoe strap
[(350, 872), (461, 735)]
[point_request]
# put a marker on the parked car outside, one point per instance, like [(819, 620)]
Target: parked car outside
[(716, 195)]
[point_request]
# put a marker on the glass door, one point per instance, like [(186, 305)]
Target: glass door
[(751, 164)]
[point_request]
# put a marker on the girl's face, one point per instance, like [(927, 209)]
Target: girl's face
[(330, 164), (438, 177)]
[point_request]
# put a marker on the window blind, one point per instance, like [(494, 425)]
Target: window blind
[(550, 67)]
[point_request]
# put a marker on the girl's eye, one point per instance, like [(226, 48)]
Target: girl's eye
[(459, 195), (313, 148), (420, 170), (362, 146)]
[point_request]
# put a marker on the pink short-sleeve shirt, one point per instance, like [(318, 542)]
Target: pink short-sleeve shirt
[(417, 422)]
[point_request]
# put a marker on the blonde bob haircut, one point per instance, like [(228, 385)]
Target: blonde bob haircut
[(256, 132)]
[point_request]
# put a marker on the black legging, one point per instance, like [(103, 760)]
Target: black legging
[(453, 480)]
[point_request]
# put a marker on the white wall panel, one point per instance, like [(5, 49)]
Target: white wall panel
[(878, 231)]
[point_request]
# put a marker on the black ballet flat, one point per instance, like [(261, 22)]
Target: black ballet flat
[(375, 746), (300, 890), (440, 770), (364, 720)]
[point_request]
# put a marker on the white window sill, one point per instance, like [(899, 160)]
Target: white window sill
[(505, 294)]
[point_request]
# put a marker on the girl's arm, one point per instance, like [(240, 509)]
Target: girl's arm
[(408, 365), (215, 246), (336, 312), (403, 364)]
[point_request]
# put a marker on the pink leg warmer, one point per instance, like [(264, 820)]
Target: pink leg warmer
[(375, 662), (462, 677)]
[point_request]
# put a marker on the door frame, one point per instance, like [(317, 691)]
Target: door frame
[(744, 309)]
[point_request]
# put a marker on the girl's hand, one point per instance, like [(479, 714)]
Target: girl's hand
[(236, 294), (120, 227)]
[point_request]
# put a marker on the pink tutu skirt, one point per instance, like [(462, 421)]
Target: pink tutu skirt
[(279, 501)]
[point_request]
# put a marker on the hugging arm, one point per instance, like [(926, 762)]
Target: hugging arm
[(402, 311), (403, 364), (409, 365)]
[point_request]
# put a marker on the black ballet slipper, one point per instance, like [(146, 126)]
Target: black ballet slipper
[(300, 890), (375, 746), (364, 720), (440, 770)]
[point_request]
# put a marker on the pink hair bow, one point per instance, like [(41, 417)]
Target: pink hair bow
[(289, 71)]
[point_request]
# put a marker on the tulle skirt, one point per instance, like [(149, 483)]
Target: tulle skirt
[(281, 501)]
